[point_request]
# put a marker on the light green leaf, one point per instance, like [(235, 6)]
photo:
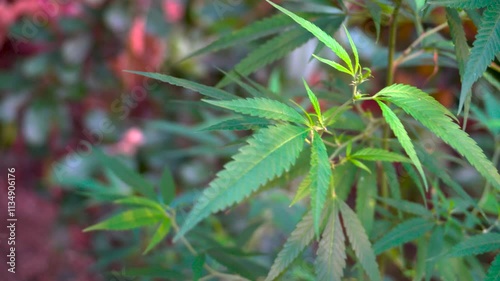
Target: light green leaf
[(202, 89), (167, 186), (377, 154), (494, 270), (407, 206), (331, 257), (405, 232), (256, 30), (354, 51), (405, 141), (476, 245), (261, 107), (140, 201), (314, 100), (129, 219), (360, 165), (295, 244), (161, 232), (333, 64), (320, 34), (464, 4), (239, 123), (269, 153), (366, 193), (359, 241), (303, 190), (320, 173), (437, 118), (486, 46)]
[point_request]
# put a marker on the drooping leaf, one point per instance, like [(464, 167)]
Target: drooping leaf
[(400, 132), (167, 186), (295, 244), (239, 123), (276, 48), (129, 219), (256, 30), (464, 4), (202, 89), (486, 46), (160, 233), (269, 153), (314, 100), (377, 154), (476, 245), (320, 174), (320, 34), (494, 270), (459, 40), (331, 257), (365, 198), (261, 107), (404, 232), (407, 206), (438, 119), (359, 241)]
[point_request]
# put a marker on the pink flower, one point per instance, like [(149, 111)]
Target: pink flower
[(173, 9), (130, 142)]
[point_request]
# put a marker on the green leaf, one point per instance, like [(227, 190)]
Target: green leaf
[(261, 107), (407, 206), (486, 46), (331, 257), (239, 123), (463, 4), (403, 138), (476, 245), (354, 51), (320, 173), (360, 165), (404, 232), (161, 232), (366, 193), (167, 186), (129, 219), (494, 270), (256, 30), (344, 176), (127, 175), (320, 34), (276, 48), (140, 201), (377, 154), (303, 190), (392, 180), (359, 241), (295, 244), (437, 118), (314, 100), (333, 64), (197, 266), (434, 249), (376, 14), (202, 89), (269, 153), (241, 266), (459, 40)]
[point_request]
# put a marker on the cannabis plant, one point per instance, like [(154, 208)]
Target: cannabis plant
[(351, 163)]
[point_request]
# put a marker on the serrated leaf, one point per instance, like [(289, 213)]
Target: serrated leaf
[(486, 46), (321, 173), (434, 249), (202, 89), (407, 206), (256, 30), (359, 241), (404, 232), (354, 51), (403, 138), (464, 4), (392, 180), (276, 48), (160, 233), (344, 178), (239, 123), (140, 201), (378, 154), (261, 107), (331, 257), (269, 153), (459, 40), (320, 34), (366, 193), (476, 245), (303, 190), (167, 186), (438, 119), (300, 238), (333, 64), (494, 270), (314, 100), (129, 219)]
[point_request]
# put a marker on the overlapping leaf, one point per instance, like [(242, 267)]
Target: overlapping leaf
[(377, 154), (331, 257), (269, 153)]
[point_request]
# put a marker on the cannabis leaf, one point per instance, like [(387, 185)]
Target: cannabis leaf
[(261, 107), (494, 270), (360, 243), (486, 46), (129, 219), (331, 256), (403, 233), (320, 174), (378, 154), (476, 245), (464, 4), (365, 198), (269, 153), (438, 119)]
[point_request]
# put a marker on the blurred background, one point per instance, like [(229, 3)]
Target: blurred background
[(63, 92)]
